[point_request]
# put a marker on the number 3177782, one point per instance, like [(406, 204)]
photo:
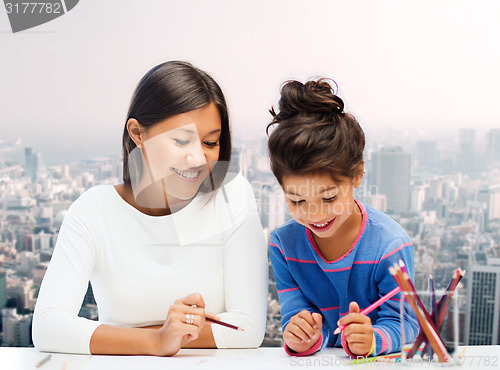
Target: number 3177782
[(34, 8)]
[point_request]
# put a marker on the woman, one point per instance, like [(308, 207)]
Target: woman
[(163, 249)]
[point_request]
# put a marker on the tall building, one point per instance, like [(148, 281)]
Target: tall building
[(467, 151), (417, 198), (483, 305), (390, 173), (31, 159), (427, 155), (16, 328), (493, 147), (3, 288), (234, 166), (491, 197)]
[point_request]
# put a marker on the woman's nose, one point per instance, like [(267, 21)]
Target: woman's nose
[(196, 156)]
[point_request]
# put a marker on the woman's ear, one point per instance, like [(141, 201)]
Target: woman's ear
[(356, 181), (136, 131)]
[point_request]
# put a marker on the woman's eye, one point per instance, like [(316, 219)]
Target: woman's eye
[(181, 142), (211, 144), (296, 202), (330, 199)]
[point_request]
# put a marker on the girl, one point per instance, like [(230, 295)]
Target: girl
[(164, 248), (334, 256)]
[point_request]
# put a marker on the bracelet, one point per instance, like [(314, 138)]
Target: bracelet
[(372, 349)]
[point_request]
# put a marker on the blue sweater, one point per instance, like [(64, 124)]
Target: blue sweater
[(305, 280)]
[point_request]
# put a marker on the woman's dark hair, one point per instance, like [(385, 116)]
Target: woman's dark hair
[(173, 88), (313, 133)]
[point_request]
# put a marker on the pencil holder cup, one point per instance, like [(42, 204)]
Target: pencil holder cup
[(440, 319)]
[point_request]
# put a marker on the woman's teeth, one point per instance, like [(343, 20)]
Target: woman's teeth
[(187, 174)]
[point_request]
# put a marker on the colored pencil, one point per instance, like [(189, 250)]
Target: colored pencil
[(442, 308), (43, 360), (447, 297), (374, 305), (434, 314), (402, 268), (422, 316), (224, 324)]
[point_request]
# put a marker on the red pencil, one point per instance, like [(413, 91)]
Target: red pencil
[(224, 324)]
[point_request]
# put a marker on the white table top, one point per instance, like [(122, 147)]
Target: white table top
[(11, 358)]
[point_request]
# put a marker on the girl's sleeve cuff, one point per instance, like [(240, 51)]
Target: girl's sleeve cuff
[(310, 351)]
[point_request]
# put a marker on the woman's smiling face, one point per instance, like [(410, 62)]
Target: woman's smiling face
[(318, 202), (181, 150)]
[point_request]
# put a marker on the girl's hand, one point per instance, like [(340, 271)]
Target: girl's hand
[(358, 331), (184, 321), (303, 331)]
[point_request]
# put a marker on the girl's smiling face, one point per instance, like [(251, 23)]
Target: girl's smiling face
[(319, 203)]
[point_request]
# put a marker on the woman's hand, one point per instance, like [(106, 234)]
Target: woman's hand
[(303, 331), (184, 321), (358, 331)]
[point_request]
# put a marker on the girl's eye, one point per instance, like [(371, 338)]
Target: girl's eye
[(181, 142), (328, 200), (211, 144), (296, 202)]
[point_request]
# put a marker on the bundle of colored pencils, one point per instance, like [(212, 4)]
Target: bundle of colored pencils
[(427, 325), (439, 311)]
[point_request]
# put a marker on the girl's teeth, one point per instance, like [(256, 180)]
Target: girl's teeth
[(322, 225)]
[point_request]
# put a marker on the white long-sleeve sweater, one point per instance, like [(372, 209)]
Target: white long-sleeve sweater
[(139, 265)]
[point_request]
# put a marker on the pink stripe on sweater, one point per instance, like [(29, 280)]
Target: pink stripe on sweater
[(297, 260), (275, 246), (287, 290), (388, 338), (385, 344), (395, 250), (337, 270), (329, 308)]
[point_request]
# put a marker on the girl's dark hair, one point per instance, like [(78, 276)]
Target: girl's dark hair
[(173, 88), (313, 133)]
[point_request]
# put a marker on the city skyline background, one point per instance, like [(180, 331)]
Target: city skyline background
[(449, 205), (421, 69), (420, 77)]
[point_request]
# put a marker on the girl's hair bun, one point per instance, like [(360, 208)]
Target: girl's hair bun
[(313, 134), (317, 97)]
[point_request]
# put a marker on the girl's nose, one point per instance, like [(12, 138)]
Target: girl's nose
[(316, 212)]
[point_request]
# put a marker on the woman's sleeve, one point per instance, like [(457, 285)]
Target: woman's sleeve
[(56, 325), (245, 275)]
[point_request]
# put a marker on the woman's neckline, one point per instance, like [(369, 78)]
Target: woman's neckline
[(131, 206)]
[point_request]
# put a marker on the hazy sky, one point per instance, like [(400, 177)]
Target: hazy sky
[(65, 86)]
